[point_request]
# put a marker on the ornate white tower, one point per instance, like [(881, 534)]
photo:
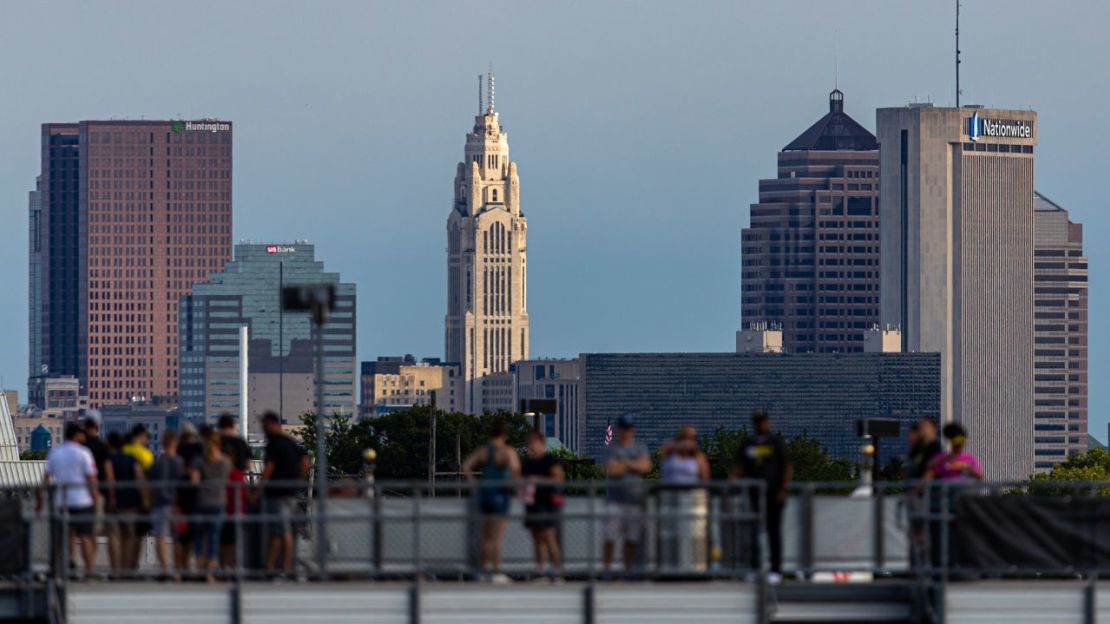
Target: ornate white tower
[(487, 288)]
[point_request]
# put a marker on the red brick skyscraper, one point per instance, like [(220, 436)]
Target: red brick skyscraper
[(133, 213)]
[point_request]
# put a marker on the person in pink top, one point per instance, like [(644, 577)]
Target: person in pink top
[(957, 464)]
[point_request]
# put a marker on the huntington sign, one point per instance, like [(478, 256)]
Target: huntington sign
[(979, 127), (200, 126)]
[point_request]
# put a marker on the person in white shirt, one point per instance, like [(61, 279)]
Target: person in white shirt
[(72, 470)]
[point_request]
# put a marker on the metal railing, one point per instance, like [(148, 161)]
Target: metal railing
[(406, 530)]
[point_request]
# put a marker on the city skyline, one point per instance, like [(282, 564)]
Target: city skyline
[(620, 213)]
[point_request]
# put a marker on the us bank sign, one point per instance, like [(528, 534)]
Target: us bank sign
[(979, 127)]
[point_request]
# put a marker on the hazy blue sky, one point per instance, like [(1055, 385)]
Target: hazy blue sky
[(640, 129)]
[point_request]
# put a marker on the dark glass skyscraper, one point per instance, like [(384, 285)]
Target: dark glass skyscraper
[(810, 257), (131, 214)]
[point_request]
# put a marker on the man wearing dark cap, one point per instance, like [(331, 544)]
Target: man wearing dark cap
[(763, 457), (626, 464)]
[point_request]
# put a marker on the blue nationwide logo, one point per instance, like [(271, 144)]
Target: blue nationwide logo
[(975, 127)]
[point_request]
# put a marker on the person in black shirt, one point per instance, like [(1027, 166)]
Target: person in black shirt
[(923, 449), (543, 502), (284, 466), (232, 444), (106, 478), (188, 449), (763, 456), (125, 503)]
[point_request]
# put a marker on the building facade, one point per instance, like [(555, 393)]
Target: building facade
[(810, 258), (558, 381), (34, 281), (1060, 342), (956, 195), (281, 345), (393, 383), (818, 394), (131, 214), (53, 401), (486, 325)]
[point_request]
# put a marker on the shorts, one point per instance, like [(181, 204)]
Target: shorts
[(540, 517), (277, 514), (493, 501), (124, 523), (163, 521), (82, 520), (623, 521), (227, 534)]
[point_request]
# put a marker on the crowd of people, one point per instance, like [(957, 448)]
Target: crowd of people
[(183, 499)]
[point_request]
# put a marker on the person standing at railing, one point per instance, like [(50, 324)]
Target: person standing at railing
[(626, 464), (91, 421), (239, 452), (500, 467), (165, 476), (923, 446), (210, 472), (543, 503), (125, 503), (71, 469), (285, 466), (189, 448), (136, 446), (684, 466), (955, 466), (764, 457)]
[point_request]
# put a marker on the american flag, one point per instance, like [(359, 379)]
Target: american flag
[(608, 434)]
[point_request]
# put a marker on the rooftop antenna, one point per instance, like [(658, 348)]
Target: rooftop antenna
[(480, 94), (836, 60), (489, 85), (957, 53)]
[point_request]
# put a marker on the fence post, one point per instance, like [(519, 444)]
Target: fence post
[(879, 546), (377, 529), (808, 528), (417, 567)]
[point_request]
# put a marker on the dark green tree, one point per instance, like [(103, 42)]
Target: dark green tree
[(32, 455)]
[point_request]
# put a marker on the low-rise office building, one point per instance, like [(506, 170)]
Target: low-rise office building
[(394, 383)]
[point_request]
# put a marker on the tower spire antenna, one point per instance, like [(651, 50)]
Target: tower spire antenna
[(490, 90), (957, 53), (480, 103)]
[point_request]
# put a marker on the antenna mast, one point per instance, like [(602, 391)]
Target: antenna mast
[(479, 95), (489, 85), (957, 53)]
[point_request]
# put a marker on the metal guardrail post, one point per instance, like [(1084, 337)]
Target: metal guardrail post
[(236, 603), (589, 603), (414, 602), (376, 529), (591, 541), (417, 567), (808, 529), (879, 521)]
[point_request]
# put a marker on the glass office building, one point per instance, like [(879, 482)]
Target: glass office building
[(819, 394), (281, 349)]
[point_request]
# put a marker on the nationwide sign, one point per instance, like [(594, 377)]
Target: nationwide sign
[(979, 127), (200, 126), (280, 249)]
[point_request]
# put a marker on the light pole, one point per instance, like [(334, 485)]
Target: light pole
[(318, 299)]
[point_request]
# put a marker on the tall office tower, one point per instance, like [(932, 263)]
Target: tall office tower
[(281, 365), (487, 291), (132, 214), (811, 255), (1060, 341), (34, 280), (956, 199)]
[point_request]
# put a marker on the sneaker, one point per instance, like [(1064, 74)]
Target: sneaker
[(774, 578), (541, 580), (558, 580), (500, 579)]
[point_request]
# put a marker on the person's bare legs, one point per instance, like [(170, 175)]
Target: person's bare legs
[(629, 552), (485, 547), (88, 551), (162, 550), (539, 548), (499, 525), (607, 555), (272, 552), (553, 554)]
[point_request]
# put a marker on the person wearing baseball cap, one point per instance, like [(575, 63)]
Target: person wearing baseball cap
[(626, 465)]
